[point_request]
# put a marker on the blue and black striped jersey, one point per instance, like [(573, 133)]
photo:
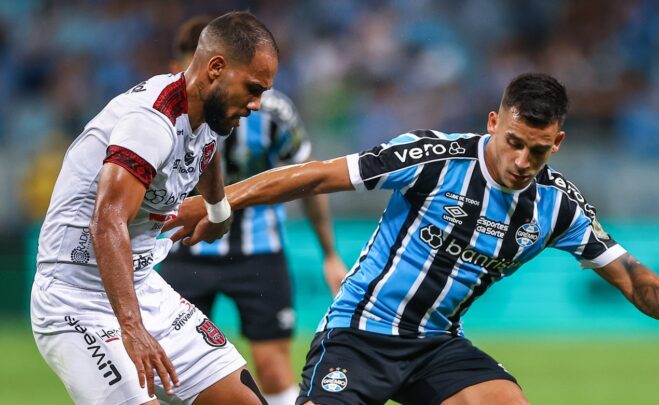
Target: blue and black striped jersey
[(450, 231), (268, 138)]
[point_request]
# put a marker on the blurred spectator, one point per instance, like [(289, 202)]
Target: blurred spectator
[(362, 71)]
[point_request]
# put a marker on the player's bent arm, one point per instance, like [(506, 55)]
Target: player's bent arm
[(211, 182), (119, 196), (637, 282), (211, 187), (290, 183), (118, 199)]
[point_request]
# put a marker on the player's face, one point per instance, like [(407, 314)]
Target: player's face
[(237, 90), (516, 152)]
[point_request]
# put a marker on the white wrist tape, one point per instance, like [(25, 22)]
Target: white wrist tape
[(218, 212)]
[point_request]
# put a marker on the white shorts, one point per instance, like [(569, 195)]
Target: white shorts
[(79, 337)]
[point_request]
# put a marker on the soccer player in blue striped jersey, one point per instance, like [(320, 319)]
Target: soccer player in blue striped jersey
[(248, 264), (466, 211)]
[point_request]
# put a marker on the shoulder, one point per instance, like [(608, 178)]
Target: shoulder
[(165, 94), (427, 144), (548, 177), (279, 107)]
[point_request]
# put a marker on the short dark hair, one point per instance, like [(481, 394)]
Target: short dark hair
[(239, 33), (187, 36), (539, 98)]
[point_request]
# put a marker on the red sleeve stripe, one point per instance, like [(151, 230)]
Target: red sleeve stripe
[(173, 100), (132, 162)]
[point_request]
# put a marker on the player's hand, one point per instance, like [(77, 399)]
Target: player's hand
[(206, 231), (147, 355), (193, 229), (334, 270)]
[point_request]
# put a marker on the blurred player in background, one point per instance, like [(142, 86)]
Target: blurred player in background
[(102, 318), (466, 211), (248, 264)]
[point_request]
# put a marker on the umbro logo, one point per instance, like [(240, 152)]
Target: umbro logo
[(454, 212)]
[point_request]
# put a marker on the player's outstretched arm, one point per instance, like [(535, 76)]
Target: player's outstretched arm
[(273, 186), (118, 199), (637, 282)]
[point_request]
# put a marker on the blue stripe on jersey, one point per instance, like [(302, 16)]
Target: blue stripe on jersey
[(453, 137), (254, 132), (263, 229), (573, 239)]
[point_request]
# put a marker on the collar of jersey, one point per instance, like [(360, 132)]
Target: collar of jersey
[(486, 173)]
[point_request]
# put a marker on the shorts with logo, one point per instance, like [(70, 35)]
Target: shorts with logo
[(80, 339), (347, 366), (259, 285)]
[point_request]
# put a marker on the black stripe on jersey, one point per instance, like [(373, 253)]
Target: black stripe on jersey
[(236, 234), (564, 220), (420, 188), (523, 214), (595, 247), (232, 174), (440, 269), (381, 160)]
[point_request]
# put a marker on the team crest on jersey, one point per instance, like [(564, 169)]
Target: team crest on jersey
[(211, 333), (336, 380), (527, 234), (598, 230), (207, 155)]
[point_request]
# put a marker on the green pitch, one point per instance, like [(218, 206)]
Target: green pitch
[(551, 371)]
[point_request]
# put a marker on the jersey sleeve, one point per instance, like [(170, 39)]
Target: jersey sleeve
[(394, 165), (140, 143), (587, 241)]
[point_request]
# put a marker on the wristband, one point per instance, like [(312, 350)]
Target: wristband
[(218, 212)]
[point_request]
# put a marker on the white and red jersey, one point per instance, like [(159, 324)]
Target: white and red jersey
[(146, 131)]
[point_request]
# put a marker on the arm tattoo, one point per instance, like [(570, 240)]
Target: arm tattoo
[(645, 294)]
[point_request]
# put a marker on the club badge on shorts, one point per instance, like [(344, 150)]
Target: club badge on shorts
[(336, 380), (211, 333)]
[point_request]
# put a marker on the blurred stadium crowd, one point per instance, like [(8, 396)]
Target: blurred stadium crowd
[(361, 72)]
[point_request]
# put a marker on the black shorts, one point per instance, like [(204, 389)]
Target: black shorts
[(259, 285), (347, 366)]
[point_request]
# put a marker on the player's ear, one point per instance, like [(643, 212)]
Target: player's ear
[(557, 142), (492, 119), (216, 66)]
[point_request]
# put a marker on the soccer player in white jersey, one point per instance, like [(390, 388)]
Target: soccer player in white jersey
[(466, 211), (248, 265), (102, 318)]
